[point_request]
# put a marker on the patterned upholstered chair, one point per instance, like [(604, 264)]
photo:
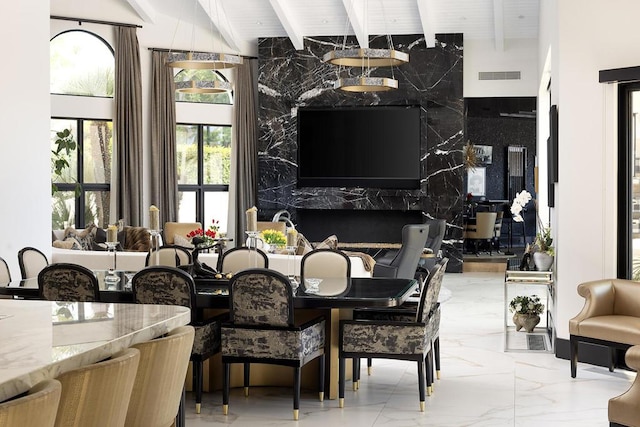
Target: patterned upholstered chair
[(169, 255), (31, 261), (408, 313), (241, 258), (171, 286), (68, 282), (261, 329), (413, 335)]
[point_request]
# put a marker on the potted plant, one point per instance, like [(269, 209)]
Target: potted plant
[(526, 311), (544, 252)]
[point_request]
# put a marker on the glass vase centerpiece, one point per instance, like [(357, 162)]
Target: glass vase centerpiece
[(112, 248)]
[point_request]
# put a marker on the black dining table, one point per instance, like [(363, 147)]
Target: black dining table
[(334, 297)]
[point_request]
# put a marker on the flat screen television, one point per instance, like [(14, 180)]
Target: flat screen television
[(369, 147)]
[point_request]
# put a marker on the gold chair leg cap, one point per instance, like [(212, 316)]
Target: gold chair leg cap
[(431, 388), (428, 391), (438, 374), (225, 409), (341, 402), (422, 406), (295, 414), (246, 392), (369, 370), (198, 405), (321, 396)]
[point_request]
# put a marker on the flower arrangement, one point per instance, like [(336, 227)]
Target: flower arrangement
[(273, 237), (200, 237), (523, 304), (543, 241)]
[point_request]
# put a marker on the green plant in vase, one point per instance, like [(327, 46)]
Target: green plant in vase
[(526, 311)]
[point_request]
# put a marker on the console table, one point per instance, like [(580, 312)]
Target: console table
[(529, 283)]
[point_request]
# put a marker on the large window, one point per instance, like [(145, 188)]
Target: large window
[(82, 191), (203, 163)]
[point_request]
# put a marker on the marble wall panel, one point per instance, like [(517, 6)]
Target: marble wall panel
[(289, 79)]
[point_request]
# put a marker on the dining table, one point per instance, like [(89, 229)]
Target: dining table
[(335, 298)]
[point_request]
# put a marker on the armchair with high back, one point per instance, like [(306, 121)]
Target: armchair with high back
[(610, 317), (405, 262), (437, 230), (483, 231)]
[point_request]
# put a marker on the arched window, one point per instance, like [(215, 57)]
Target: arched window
[(205, 98), (82, 64)]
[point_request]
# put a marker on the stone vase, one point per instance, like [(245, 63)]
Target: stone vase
[(526, 321), (543, 261)]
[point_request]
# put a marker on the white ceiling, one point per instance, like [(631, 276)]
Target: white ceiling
[(241, 22)]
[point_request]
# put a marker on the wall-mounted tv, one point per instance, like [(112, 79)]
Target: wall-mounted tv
[(369, 147)]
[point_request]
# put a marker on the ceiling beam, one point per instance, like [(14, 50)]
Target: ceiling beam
[(219, 19), (498, 24), (428, 24), (144, 10), (288, 21), (357, 17)]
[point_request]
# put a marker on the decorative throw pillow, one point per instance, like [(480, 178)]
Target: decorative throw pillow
[(330, 242), (84, 238), (180, 240), (303, 245), (68, 243)]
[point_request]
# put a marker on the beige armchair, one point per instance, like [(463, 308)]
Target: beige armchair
[(179, 228), (624, 410), (610, 317)]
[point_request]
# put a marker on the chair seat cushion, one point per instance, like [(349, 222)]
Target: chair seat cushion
[(615, 328), (207, 339), (363, 337), (284, 344)]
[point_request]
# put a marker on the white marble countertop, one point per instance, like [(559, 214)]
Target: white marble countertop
[(42, 339)]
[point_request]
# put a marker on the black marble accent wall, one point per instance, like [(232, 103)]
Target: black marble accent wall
[(289, 79)]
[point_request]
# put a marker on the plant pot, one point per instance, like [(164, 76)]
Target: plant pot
[(526, 321), (543, 261)]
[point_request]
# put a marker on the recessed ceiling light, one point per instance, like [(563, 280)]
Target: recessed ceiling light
[(258, 22), (325, 21)]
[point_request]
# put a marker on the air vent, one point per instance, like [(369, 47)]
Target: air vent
[(499, 75)]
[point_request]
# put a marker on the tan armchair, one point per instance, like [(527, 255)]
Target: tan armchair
[(610, 317), (180, 228), (624, 410)]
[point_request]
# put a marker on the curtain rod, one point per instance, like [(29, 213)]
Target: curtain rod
[(162, 49), (93, 21)]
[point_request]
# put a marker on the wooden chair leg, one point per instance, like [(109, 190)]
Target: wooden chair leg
[(613, 358), (421, 384), (436, 351), (428, 372), (226, 370), (341, 379), (197, 383), (369, 364), (355, 374), (321, 361), (296, 392), (247, 377), (573, 344)]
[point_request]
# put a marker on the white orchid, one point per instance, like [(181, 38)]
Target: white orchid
[(519, 202)]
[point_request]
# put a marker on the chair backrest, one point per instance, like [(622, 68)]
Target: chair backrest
[(68, 282), (431, 290), (325, 263), (179, 228), (157, 390), (37, 409), (241, 258), (98, 394), (5, 274), (484, 227), (31, 262), (260, 296), (168, 255), (164, 285), (437, 230), (414, 237), (497, 229), (273, 225)]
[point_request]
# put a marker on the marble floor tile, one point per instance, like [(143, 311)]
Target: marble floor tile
[(480, 386)]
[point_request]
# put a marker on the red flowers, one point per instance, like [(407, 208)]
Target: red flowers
[(206, 235)]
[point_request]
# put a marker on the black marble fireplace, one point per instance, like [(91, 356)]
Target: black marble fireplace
[(289, 79)]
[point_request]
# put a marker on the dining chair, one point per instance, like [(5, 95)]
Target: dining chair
[(37, 409), (407, 312), (5, 273), (482, 231), (437, 230), (262, 329), (168, 255), (172, 286), (405, 262), (159, 383), (31, 262), (414, 336), (497, 230), (98, 394), (623, 410), (68, 282), (241, 258), (325, 263)]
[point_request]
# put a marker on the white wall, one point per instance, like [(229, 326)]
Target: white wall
[(591, 36), (518, 55), (25, 216)]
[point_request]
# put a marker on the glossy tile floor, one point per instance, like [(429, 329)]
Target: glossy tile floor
[(481, 385)]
